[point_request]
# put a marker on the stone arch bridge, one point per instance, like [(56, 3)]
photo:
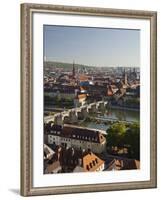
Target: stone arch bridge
[(74, 114)]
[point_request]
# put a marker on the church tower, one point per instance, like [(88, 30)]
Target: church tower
[(125, 77), (73, 70)]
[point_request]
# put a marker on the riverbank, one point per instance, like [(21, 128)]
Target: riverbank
[(124, 108), (102, 121)]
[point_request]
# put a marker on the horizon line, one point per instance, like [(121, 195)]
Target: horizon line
[(75, 63)]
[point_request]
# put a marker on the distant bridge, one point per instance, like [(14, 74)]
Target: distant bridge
[(74, 114)]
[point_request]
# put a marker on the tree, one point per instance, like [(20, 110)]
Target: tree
[(115, 134), (132, 139), (121, 135)]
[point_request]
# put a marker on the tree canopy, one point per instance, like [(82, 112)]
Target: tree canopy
[(123, 135), (116, 134)]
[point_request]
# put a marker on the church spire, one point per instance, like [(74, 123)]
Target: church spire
[(73, 69)]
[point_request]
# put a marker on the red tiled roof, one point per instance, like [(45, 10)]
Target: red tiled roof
[(83, 77), (82, 96), (109, 92), (91, 162), (51, 167), (124, 164)]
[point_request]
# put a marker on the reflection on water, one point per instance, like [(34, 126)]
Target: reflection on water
[(118, 114), (123, 115)]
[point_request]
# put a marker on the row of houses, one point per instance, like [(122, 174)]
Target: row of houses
[(64, 160), (76, 137), (71, 160)]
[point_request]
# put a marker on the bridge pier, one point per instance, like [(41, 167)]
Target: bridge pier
[(92, 108), (83, 112), (66, 120), (73, 116), (101, 105), (58, 119)]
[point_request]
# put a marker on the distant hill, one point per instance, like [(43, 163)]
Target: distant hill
[(53, 64)]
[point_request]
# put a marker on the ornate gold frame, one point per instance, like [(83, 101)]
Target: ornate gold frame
[(27, 11)]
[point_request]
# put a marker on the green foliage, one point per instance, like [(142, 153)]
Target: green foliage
[(133, 101), (116, 134), (57, 99), (132, 138), (67, 99), (122, 135), (53, 64)]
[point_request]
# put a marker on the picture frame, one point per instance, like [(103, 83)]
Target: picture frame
[(27, 96)]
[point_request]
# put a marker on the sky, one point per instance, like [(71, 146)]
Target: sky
[(92, 46)]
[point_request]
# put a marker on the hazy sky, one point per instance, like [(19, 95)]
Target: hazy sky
[(92, 46)]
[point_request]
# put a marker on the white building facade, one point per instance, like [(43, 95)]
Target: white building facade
[(95, 142)]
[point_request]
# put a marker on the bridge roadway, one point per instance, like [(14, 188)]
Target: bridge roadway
[(73, 114)]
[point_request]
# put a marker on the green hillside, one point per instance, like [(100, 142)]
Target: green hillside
[(53, 64)]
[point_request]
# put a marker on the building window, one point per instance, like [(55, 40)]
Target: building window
[(87, 167), (90, 165)]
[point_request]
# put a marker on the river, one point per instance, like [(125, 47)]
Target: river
[(116, 114)]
